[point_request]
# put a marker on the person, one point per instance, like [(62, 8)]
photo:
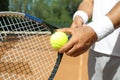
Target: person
[(101, 36)]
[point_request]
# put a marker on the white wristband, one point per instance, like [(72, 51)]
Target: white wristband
[(102, 26), (82, 14)]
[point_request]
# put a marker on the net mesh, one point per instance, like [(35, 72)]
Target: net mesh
[(27, 54)]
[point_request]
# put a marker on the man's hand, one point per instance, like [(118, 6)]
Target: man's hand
[(81, 40)]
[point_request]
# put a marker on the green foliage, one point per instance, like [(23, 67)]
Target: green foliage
[(56, 12), (4, 5)]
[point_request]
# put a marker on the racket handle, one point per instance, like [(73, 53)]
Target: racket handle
[(69, 36)]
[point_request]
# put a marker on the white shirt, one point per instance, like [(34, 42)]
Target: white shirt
[(110, 44)]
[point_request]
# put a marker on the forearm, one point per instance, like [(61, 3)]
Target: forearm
[(114, 15), (84, 12), (106, 24), (86, 6)]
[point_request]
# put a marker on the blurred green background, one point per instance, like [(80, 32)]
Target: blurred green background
[(56, 12)]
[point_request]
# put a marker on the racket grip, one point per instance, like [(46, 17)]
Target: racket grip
[(69, 36)]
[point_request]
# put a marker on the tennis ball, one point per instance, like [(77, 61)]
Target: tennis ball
[(58, 39)]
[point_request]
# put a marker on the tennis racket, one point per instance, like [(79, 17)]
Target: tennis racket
[(25, 51)]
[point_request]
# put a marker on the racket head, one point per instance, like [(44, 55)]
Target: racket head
[(25, 51)]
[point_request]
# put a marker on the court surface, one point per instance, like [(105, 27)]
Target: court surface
[(73, 68)]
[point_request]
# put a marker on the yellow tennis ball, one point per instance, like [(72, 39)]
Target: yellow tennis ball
[(58, 39)]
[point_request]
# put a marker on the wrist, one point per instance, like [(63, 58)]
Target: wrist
[(102, 26), (82, 14), (79, 20)]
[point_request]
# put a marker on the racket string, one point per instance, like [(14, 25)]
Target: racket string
[(28, 49), (30, 59)]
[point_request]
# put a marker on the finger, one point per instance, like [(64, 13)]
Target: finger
[(77, 53), (76, 50), (72, 51), (68, 46)]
